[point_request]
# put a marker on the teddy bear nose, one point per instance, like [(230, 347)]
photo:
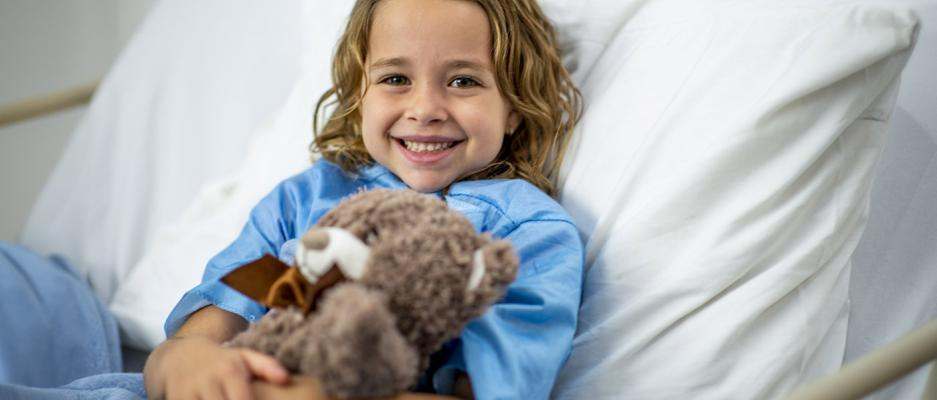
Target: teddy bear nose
[(316, 239)]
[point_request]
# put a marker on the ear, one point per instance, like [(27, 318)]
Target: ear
[(513, 121), (500, 265)]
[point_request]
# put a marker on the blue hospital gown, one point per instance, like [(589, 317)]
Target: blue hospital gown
[(513, 351)]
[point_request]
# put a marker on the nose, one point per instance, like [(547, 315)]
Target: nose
[(427, 105), (316, 239)]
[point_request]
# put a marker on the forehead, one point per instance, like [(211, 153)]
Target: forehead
[(438, 30)]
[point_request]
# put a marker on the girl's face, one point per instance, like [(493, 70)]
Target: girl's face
[(432, 112)]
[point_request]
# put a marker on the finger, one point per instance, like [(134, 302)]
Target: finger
[(237, 389), (211, 391), (265, 367)]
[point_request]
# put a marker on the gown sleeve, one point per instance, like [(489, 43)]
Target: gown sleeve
[(516, 349), (268, 227)]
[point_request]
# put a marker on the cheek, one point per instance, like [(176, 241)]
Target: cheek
[(487, 118), (376, 115), (484, 128)]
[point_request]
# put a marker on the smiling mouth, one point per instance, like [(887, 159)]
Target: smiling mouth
[(427, 147)]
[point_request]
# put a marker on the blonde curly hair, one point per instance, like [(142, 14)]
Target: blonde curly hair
[(529, 74)]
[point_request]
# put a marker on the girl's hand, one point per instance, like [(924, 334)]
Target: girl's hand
[(199, 368), (194, 365)]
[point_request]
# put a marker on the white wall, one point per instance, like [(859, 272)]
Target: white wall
[(45, 46), (893, 288)]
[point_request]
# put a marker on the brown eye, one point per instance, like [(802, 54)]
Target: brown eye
[(464, 82), (395, 80)]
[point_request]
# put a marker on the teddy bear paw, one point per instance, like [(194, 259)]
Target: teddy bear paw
[(358, 351)]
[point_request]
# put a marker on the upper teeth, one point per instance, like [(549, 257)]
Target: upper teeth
[(423, 146)]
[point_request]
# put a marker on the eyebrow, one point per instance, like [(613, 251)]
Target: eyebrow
[(388, 62), (465, 64), (453, 64)]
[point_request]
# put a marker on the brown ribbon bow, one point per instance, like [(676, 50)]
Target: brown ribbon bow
[(275, 284)]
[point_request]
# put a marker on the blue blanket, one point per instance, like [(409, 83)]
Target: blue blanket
[(102, 386), (57, 341)]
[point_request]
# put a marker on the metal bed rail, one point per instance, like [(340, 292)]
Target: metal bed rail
[(46, 104), (879, 368)]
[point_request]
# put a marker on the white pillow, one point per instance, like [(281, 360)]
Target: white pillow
[(175, 111), (721, 179), (176, 258)]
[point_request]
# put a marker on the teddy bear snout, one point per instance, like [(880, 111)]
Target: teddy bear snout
[(322, 248)]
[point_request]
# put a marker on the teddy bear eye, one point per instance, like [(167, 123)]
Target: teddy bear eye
[(371, 237)]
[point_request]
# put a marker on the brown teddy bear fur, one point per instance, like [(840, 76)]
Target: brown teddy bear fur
[(373, 337)]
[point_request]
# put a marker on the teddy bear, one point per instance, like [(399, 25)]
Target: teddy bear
[(379, 284)]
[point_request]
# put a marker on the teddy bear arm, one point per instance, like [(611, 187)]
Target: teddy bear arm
[(359, 353), (270, 333)]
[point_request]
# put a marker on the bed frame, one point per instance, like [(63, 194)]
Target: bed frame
[(855, 380), (43, 105)]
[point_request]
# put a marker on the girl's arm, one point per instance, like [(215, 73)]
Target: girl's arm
[(212, 323)]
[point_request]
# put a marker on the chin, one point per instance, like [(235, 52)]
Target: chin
[(425, 185)]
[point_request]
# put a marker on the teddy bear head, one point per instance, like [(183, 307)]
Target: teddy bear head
[(434, 269)]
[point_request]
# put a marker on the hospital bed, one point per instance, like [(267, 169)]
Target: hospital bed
[(768, 183)]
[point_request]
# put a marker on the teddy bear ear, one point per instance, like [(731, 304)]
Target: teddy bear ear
[(494, 266)]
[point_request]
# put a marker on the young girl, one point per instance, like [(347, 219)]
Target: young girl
[(464, 99)]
